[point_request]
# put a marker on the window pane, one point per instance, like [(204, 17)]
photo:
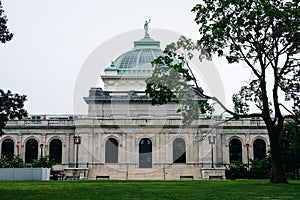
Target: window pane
[(145, 153), (235, 150), (111, 151), (179, 151), (55, 150), (8, 148), (259, 149), (31, 150)]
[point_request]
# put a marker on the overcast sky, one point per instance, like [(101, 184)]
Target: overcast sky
[(53, 38)]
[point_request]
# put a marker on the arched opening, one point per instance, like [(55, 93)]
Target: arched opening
[(145, 153), (179, 151), (31, 150), (111, 151), (259, 149), (235, 150), (7, 148), (55, 150)]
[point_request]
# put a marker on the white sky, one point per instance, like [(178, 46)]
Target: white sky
[(53, 38)]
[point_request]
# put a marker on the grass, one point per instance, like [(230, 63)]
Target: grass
[(238, 189)]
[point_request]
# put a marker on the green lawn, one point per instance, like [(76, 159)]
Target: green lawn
[(238, 189)]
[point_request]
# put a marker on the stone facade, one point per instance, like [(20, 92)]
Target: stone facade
[(125, 137)]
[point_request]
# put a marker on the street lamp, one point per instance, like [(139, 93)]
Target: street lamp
[(41, 146), (247, 146), (212, 141), (77, 141)]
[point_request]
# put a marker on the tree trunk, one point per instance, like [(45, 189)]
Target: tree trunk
[(277, 175)]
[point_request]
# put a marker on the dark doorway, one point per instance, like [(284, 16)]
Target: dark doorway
[(8, 148), (111, 151), (31, 150), (179, 151), (55, 150), (145, 153), (259, 149), (235, 150)]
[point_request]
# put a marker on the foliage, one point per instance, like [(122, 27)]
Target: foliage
[(263, 34), (5, 35), (4, 162), (16, 162), (11, 107), (290, 148), (162, 88), (45, 162), (260, 168), (236, 169)]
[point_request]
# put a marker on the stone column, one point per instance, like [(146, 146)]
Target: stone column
[(123, 148), (67, 148), (168, 148)]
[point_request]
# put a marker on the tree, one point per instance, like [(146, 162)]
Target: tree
[(290, 148), (11, 107), (263, 34), (5, 35)]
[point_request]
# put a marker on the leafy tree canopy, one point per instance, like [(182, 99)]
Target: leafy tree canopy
[(263, 34), (11, 107), (290, 147), (5, 35)]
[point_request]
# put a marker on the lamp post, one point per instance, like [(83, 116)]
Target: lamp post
[(247, 147), (77, 141), (41, 146), (212, 141)]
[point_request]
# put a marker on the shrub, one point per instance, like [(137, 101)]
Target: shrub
[(236, 170), (260, 169), (45, 162), (18, 162)]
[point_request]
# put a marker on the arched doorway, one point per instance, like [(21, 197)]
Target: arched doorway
[(145, 153), (31, 150), (179, 151), (7, 148), (259, 149), (235, 150), (55, 150), (111, 151)]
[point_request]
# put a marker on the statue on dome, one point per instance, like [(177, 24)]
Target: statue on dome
[(146, 27)]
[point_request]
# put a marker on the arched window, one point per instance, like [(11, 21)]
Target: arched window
[(111, 151), (179, 151), (8, 148), (31, 150), (55, 150), (235, 150), (145, 153), (259, 149)]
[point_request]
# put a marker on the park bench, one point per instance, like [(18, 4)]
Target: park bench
[(215, 178), (102, 177), (76, 177), (186, 177)]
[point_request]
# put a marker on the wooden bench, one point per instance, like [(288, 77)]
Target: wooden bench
[(102, 177), (72, 178), (215, 178), (186, 177)]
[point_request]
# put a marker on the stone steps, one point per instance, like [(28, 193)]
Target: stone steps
[(176, 173)]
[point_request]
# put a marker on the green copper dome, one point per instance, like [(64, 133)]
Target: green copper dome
[(138, 60)]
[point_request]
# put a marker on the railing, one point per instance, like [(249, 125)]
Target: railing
[(138, 121), (40, 123), (144, 121)]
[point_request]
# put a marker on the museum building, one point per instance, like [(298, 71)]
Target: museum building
[(124, 137)]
